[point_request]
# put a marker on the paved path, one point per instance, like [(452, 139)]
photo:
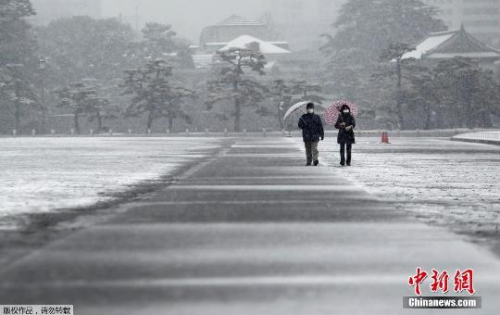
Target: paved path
[(251, 231), (487, 137)]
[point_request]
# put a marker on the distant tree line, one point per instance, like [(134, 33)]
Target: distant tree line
[(86, 67), (97, 72), (364, 64)]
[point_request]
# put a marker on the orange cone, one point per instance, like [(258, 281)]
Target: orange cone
[(385, 138)]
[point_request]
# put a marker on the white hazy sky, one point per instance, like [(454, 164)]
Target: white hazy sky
[(187, 16)]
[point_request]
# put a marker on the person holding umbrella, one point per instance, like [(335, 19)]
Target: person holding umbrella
[(345, 124), (312, 132)]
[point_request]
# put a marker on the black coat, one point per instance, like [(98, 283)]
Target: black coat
[(344, 135), (312, 127)]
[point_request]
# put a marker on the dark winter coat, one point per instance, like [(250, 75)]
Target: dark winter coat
[(312, 128), (345, 136)]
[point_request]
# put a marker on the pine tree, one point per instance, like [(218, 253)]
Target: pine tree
[(365, 30), (153, 93), (469, 93), (16, 44), (160, 41), (79, 98), (233, 83), (17, 58)]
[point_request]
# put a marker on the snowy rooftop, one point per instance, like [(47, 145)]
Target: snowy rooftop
[(430, 43), (246, 40), (451, 44)]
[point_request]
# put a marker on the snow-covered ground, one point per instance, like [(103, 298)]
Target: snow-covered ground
[(44, 174), (448, 183)]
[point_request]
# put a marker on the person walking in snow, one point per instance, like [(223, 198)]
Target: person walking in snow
[(345, 124), (312, 132)]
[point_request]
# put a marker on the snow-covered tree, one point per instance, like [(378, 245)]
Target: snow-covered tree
[(79, 98), (419, 96), (394, 53), (233, 83), (469, 93), (305, 91), (100, 109), (281, 96), (16, 44), (153, 94), (364, 31), (81, 47), (452, 93), (17, 93), (17, 57), (160, 41)]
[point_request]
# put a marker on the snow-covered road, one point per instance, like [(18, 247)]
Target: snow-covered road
[(44, 174), (447, 183)]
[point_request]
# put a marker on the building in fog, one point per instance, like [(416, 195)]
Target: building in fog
[(240, 32), (255, 44), (480, 17), (303, 21), (217, 36), (49, 10), (273, 51), (452, 44)]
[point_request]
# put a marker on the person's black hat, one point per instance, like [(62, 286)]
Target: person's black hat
[(345, 106), (310, 105)]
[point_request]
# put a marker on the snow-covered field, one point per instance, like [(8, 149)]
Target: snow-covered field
[(454, 184), (44, 174)]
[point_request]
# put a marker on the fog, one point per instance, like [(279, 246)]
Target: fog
[(188, 17)]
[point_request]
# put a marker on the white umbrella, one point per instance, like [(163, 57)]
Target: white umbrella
[(300, 109)]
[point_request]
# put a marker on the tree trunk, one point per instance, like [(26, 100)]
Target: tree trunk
[(469, 115), (44, 110), (486, 120), (281, 103), (237, 107), (99, 122), (428, 116), (77, 123), (170, 123), (17, 122), (399, 109), (150, 121), (280, 118), (17, 113), (237, 115), (473, 119)]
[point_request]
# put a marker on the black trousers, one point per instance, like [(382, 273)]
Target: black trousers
[(343, 158), (312, 152)]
